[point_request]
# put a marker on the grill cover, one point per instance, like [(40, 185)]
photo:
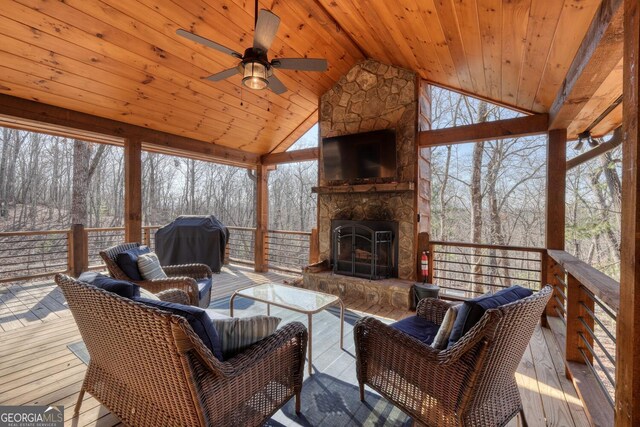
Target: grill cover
[(193, 238)]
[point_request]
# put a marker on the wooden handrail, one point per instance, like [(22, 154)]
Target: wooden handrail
[(31, 233), (103, 229), (601, 285), (486, 246)]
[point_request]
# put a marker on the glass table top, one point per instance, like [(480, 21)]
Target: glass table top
[(291, 297)]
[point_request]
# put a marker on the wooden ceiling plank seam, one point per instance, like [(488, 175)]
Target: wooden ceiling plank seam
[(309, 12), (98, 60), (572, 26), (490, 16), (603, 98), (22, 108), (174, 54), (451, 30), (543, 19), (391, 21), (467, 17), (428, 13), (598, 54), (295, 134), (148, 104), (514, 17), (85, 105), (58, 27), (363, 53)]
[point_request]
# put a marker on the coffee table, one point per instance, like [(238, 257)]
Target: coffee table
[(295, 299)]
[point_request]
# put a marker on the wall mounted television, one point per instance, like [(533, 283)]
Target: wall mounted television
[(365, 157)]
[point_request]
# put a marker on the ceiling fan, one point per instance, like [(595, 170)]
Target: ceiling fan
[(256, 69)]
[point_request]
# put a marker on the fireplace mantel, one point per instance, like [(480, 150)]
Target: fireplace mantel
[(390, 187)]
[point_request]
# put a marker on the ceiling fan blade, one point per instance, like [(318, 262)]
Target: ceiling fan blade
[(302, 64), (276, 85), (266, 29), (223, 74), (208, 43)]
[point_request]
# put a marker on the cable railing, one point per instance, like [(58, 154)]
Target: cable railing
[(28, 255), (241, 245), (99, 239), (288, 250), (583, 312), (466, 270)]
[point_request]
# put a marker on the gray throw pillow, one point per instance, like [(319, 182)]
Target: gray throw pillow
[(238, 333), (150, 268)]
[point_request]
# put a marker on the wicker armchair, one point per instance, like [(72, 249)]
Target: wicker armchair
[(150, 369), (183, 277), (470, 384)]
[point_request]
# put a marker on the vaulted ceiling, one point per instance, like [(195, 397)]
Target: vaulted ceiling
[(121, 59)]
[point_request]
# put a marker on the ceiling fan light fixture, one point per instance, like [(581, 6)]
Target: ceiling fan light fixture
[(255, 76)]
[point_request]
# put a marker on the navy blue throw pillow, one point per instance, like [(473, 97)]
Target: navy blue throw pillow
[(128, 261), (472, 310), (119, 287), (417, 327), (197, 318)]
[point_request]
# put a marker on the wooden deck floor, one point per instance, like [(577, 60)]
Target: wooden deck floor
[(37, 367)]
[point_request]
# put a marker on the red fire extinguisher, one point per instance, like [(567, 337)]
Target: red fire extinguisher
[(425, 266)]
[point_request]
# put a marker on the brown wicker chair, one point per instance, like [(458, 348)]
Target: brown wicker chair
[(470, 384), (150, 369), (183, 277)]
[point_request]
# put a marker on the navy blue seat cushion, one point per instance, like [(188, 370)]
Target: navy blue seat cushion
[(119, 287), (418, 327), (204, 286), (472, 310), (128, 261), (198, 319)]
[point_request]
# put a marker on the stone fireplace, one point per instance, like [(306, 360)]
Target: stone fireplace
[(373, 96)]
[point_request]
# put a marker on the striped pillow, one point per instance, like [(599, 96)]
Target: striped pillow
[(238, 333), (150, 268), (441, 340)]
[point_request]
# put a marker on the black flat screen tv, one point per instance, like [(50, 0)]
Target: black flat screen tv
[(368, 156)]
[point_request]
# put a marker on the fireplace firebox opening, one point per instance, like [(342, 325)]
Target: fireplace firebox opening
[(367, 249)]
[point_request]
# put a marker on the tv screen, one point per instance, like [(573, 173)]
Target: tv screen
[(360, 156)]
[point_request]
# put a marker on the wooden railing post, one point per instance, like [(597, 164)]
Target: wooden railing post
[(78, 245), (578, 319), (314, 246), (147, 236), (261, 263)]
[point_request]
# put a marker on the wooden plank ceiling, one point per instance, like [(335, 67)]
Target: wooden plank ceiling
[(121, 59)]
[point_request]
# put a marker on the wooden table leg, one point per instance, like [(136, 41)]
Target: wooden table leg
[(310, 317)]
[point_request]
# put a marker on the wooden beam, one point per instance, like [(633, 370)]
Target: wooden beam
[(132, 190), (615, 141), (599, 53), (556, 184), (508, 128), (628, 320), (261, 263), (304, 155), (13, 108)]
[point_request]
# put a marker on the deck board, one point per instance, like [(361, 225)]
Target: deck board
[(36, 367)]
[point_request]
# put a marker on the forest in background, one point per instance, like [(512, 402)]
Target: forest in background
[(39, 175), (493, 192)]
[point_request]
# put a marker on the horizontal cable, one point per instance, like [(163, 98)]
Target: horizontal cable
[(486, 265), (560, 304), (597, 341), (560, 315), (597, 376), (487, 275), (486, 256), (594, 317), (560, 279), (597, 301), (605, 370)]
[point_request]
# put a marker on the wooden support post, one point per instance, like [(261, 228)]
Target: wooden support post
[(577, 300), (133, 190), (261, 263), (628, 321), (555, 206), (78, 250), (314, 247)]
